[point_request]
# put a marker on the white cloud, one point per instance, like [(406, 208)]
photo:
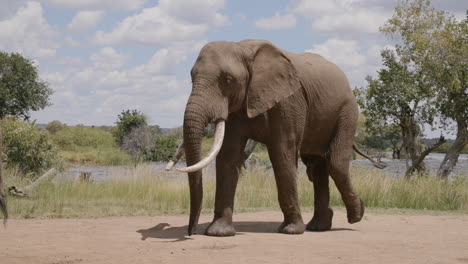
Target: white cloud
[(68, 60), (356, 60), (108, 58), (69, 41), (84, 20), (107, 89), (350, 17), (197, 12), (28, 32), (96, 4), (166, 23), (277, 22), (358, 21), (9, 7)]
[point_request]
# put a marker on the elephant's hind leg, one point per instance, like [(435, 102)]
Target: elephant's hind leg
[(339, 159), (318, 174)]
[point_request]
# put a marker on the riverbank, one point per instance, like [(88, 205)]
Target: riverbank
[(144, 192)]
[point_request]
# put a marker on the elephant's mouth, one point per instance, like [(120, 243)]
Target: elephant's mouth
[(215, 148)]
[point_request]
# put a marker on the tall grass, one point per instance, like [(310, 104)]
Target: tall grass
[(144, 192), (89, 146)]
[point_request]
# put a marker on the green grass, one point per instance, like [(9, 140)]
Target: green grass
[(88, 146), (94, 156), (145, 193)]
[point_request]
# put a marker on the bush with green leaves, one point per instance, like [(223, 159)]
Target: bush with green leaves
[(55, 126), (127, 121), (165, 147), (27, 147), (69, 138), (81, 145)]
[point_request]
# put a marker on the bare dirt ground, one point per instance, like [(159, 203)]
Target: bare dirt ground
[(379, 238)]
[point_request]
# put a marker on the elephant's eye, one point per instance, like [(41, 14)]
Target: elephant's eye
[(228, 79)]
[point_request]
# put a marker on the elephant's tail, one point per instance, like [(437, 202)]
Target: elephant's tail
[(377, 164)]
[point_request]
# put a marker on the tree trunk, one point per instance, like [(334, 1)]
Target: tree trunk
[(396, 152), (410, 133), (3, 201), (249, 148), (451, 157), (418, 162)]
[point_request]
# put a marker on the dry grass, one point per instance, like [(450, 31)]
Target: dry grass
[(144, 192)]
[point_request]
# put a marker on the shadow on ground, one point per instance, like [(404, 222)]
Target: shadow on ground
[(179, 233)]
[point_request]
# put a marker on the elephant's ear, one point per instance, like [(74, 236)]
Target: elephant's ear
[(273, 78)]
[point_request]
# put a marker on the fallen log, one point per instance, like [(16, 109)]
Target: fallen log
[(25, 191)]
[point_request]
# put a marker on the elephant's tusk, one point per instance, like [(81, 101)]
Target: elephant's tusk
[(180, 151), (218, 142)]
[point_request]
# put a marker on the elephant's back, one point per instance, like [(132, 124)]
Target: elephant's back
[(328, 94), (322, 79)]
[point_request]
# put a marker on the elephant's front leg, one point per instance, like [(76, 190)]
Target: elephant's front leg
[(283, 156), (227, 174)]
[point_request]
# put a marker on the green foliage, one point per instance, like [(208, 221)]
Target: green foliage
[(139, 143), (436, 44), (165, 148), (396, 93), (83, 145), (176, 132), (21, 90), (209, 131), (68, 138), (128, 120), (27, 147), (55, 126)]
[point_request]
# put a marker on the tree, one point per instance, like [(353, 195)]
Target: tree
[(436, 44), (176, 132), (27, 147), (399, 96), (139, 143), (127, 121), (165, 147), (55, 126), (391, 133), (21, 90)]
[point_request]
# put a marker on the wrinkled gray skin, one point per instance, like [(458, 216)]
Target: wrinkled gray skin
[(298, 105)]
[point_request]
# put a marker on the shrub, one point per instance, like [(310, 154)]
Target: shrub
[(165, 148), (139, 143), (55, 126), (27, 147), (91, 146), (69, 138), (127, 121)]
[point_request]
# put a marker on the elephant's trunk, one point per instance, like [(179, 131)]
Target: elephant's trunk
[(202, 108), (194, 124)]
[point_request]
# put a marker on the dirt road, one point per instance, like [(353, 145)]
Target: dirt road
[(378, 239)]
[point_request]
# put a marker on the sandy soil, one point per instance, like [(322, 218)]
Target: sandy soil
[(378, 239)]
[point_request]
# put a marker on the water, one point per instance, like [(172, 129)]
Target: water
[(396, 168)]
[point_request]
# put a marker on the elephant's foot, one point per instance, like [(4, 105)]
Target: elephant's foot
[(356, 212), (292, 228), (220, 227), (321, 221)]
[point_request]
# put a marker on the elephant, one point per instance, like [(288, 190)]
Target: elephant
[(298, 105)]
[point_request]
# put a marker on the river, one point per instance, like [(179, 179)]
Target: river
[(396, 168)]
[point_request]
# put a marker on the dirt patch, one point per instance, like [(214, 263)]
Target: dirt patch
[(379, 238)]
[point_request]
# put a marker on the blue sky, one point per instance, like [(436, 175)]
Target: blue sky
[(102, 56)]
